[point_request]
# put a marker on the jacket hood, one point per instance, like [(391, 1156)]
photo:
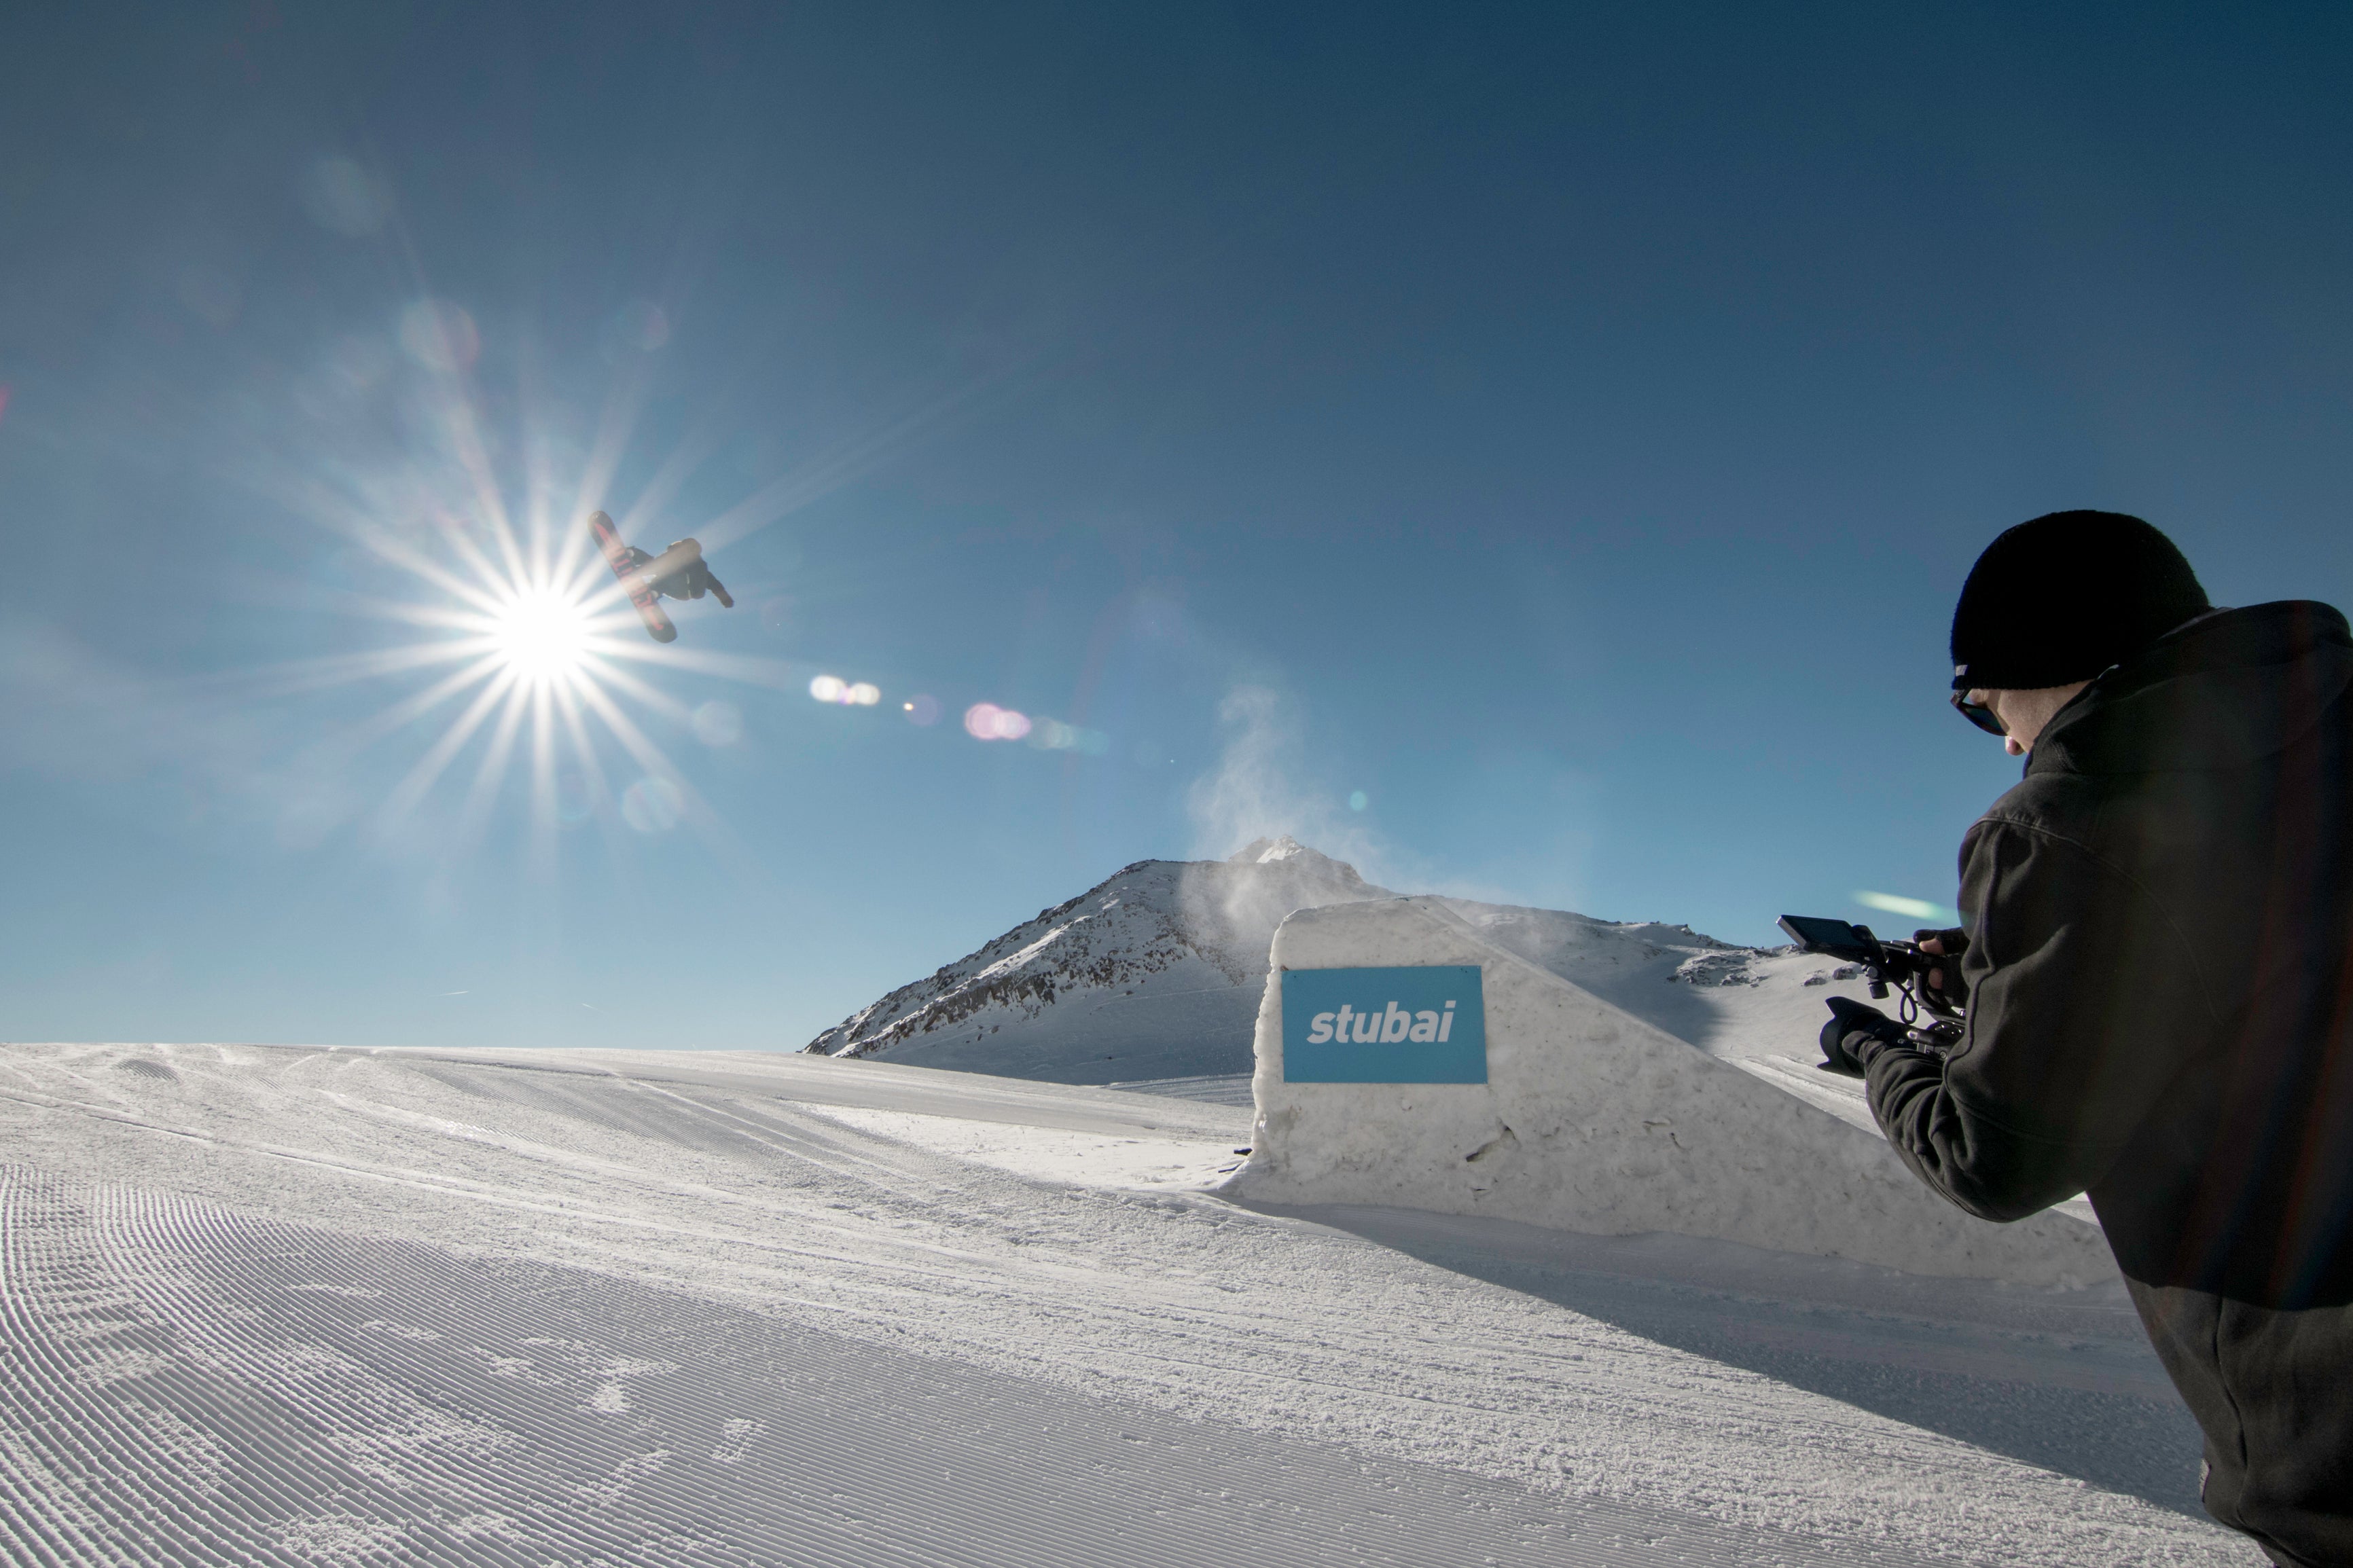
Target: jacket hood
[(2229, 687)]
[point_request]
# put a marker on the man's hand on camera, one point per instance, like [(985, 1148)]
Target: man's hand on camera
[(1945, 987), (1855, 1034)]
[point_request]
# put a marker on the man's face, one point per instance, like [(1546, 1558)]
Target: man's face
[(2025, 712), (1991, 699)]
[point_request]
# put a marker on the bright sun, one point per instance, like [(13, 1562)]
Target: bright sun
[(542, 636)]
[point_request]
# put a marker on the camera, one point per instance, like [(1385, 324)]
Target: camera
[(1900, 964)]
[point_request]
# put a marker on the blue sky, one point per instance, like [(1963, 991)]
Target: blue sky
[(1563, 430)]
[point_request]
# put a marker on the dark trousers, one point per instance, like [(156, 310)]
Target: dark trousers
[(2273, 1390)]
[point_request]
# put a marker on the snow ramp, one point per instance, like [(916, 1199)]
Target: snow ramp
[(1590, 1120)]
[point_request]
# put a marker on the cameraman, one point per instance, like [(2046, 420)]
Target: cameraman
[(2157, 961)]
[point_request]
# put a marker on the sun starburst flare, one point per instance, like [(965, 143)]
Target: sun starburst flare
[(523, 646), (542, 636), (521, 652), (540, 682)]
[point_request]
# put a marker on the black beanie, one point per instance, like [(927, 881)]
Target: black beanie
[(2062, 598)]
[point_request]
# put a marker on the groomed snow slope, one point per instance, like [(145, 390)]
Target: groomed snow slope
[(294, 1307), (1593, 1120)]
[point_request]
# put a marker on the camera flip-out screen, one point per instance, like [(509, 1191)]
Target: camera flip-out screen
[(1836, 938)]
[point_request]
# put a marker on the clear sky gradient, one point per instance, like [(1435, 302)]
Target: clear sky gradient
[(1532, 452)]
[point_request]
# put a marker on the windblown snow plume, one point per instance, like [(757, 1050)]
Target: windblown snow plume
[(1259, 790), (1249, 792)]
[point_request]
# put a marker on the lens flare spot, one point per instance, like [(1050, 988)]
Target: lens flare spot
[(641, 325), (1359, 800), (439, 335), (541, 634), (575, 800), (849, 694), (653, 805), (340, 196), (988, 721), (1053, 735), (924, 711), (1917, 909), (719, 722)]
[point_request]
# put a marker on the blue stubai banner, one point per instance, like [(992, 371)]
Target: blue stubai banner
[(1418, 1024)]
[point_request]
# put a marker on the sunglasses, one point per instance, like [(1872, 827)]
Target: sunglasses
[(1978, 713)]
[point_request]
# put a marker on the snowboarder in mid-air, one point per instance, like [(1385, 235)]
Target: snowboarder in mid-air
[(678, 571)]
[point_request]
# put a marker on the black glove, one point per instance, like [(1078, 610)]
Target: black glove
[(1954, 994), (1855, 1034)]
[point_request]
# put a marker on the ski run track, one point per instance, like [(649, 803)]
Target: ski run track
[(290, 1306)]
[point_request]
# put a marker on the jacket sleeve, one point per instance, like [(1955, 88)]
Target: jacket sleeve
[(2078, 984)]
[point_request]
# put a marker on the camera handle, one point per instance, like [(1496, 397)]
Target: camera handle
[(1877, 967), (1899, 967)]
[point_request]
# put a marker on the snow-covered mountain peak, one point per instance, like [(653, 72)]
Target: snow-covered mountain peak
[(1265, 851)]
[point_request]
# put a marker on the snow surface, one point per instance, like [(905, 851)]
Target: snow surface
[(1594, 1120), (292, 1306)]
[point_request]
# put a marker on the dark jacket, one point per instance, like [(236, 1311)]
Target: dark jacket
[(2160, 972)]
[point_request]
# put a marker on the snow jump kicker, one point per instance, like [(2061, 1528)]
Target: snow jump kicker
[(1542, 1103)]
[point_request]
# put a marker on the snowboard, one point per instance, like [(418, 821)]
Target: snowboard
[(625, 564)]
